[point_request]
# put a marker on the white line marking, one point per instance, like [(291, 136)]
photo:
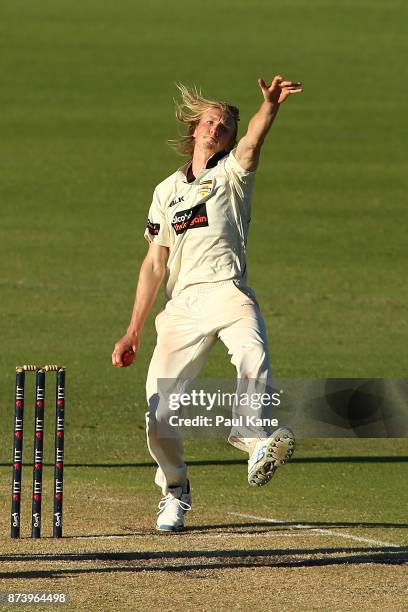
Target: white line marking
[(349, 536), (330, 532)]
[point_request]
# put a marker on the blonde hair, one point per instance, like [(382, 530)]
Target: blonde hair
[(189, 113)]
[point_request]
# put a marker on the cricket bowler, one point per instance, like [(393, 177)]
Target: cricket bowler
[(197, 235)]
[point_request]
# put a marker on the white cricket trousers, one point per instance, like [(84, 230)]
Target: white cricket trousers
[(186, 329)]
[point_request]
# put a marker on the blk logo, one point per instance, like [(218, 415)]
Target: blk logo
[(177, 200)]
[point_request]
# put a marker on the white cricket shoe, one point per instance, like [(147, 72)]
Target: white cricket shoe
[(172, 509), (268, 455)]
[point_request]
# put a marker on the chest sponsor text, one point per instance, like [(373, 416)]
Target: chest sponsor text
[(194, 217)]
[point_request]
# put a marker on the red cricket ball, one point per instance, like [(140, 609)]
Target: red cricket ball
[(127, 358)]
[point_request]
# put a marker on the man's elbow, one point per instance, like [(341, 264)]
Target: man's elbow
[(156, 260), (159, 270), (248, 151), (253, 144), (154, 268), (249, 158)]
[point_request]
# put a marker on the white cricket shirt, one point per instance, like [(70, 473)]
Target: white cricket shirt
[(203, 223)]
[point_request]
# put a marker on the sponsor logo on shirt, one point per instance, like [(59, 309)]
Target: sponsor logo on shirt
[(177, 200), (153, 228), (189, 219)]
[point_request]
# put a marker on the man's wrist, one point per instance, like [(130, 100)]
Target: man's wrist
[(270, 107), (133, 332)]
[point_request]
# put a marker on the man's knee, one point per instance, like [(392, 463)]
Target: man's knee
[(253, 362)]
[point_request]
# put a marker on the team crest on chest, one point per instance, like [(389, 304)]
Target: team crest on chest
[(205, 187)]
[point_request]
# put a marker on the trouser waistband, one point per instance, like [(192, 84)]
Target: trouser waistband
[(205, 287)]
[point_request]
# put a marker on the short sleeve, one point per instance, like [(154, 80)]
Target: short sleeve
[(234, 169), (157, 230), (241, 181)]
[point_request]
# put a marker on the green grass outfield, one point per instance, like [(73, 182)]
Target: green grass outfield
[(86, 108)]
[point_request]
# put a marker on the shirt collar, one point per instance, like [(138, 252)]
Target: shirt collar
[(214, 159), (211, 163)]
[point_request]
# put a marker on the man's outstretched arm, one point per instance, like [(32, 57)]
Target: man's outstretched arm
[(152, 273), (249, 147)]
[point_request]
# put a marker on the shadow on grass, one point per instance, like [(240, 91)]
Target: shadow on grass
[(282, 526), (244, 528), (173, 561), (142, 464)]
